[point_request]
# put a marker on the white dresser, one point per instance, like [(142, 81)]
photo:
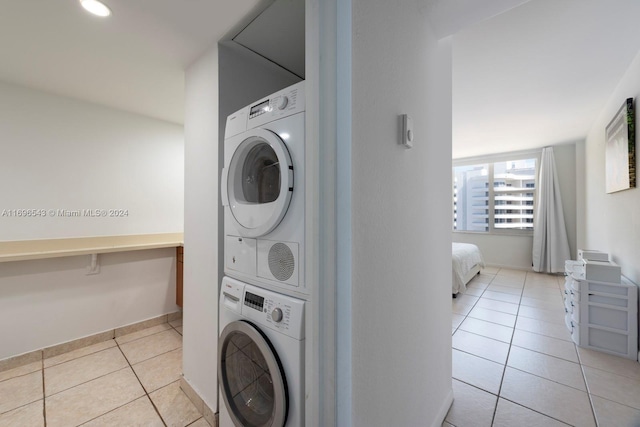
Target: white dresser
[(601, 307)]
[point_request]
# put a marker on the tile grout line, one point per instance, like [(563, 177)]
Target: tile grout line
[(458, 328), (144, 336), (506, 361), (536, 411), (550, 380), (44, 395), (111, 410), (467, 315), (155, 408), (78, 357), (507, 358), (175, 329), (109, 373), (87, 381), (534, 351), (581, 370), (203, 418), (42, 362), (584, 378), (531, 286), (586, 384), (130, 366)]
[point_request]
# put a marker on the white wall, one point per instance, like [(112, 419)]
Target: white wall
[(60, 153), (401, 284), (202, 217), (51, 301), (328, 262), (581, 192), (515, 251), (612, 221), (507, 251)]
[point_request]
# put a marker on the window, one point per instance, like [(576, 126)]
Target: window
[(494, 196)]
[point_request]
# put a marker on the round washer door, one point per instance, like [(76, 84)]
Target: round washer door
[(251, 377), (259, 183)]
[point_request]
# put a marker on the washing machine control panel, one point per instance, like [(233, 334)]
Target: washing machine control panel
[(279, 312), (274, 311), (254, 301)]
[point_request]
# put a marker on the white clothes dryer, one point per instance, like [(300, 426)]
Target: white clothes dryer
[(262, 190), (260, 357)]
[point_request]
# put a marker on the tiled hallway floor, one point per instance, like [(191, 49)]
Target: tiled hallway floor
[(130, 380), (514, 363)]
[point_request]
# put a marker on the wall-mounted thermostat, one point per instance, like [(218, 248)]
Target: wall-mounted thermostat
[(407, 131)]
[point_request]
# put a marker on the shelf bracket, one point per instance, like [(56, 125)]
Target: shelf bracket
[(94, 266)]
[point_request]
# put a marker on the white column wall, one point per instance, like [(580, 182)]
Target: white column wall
[(401, 247), (202, 221)]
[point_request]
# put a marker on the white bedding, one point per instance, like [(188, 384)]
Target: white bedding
[(466, 259)]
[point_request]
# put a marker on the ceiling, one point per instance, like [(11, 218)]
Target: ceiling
[(134, 60), (535, 75), (539, 74)]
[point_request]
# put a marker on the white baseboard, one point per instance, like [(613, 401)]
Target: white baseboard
[(444, 409), (209, 415), (510, 267)]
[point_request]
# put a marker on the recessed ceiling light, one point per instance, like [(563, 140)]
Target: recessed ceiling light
[(96, 7)]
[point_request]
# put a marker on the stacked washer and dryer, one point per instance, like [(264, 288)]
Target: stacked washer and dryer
[(263, 293)]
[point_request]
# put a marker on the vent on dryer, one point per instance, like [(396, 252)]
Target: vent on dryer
[(281, 261)]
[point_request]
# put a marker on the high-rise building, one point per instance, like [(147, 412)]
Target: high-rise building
[(507, 204)]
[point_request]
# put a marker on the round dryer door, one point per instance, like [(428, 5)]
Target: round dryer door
[(251, 377), (259, 183)]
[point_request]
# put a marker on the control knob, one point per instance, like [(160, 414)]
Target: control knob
[(283, 102), (276, 315)]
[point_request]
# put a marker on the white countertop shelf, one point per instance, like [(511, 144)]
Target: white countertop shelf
[(24, 250)]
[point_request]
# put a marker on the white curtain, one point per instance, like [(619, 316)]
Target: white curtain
[(550, 243)]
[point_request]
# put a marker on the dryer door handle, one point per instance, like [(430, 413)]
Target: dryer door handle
[(223, 187)]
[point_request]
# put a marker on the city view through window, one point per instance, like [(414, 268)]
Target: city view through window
[(494, 196)]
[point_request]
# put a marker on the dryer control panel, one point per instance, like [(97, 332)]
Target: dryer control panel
[(280, 104), (286, 102)]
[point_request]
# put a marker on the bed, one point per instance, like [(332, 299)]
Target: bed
[(467, 262)]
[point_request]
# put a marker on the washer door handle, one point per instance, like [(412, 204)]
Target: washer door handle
[(223, 187)]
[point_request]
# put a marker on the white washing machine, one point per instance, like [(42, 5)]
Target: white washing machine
[(260, 357), (262, 189)]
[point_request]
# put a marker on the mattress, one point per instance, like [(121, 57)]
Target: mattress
[(466, 262)]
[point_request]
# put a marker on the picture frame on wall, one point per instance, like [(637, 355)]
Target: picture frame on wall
[(621, 150)]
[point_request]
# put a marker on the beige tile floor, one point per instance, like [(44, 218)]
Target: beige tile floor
[(514, 363), (131, 380)]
